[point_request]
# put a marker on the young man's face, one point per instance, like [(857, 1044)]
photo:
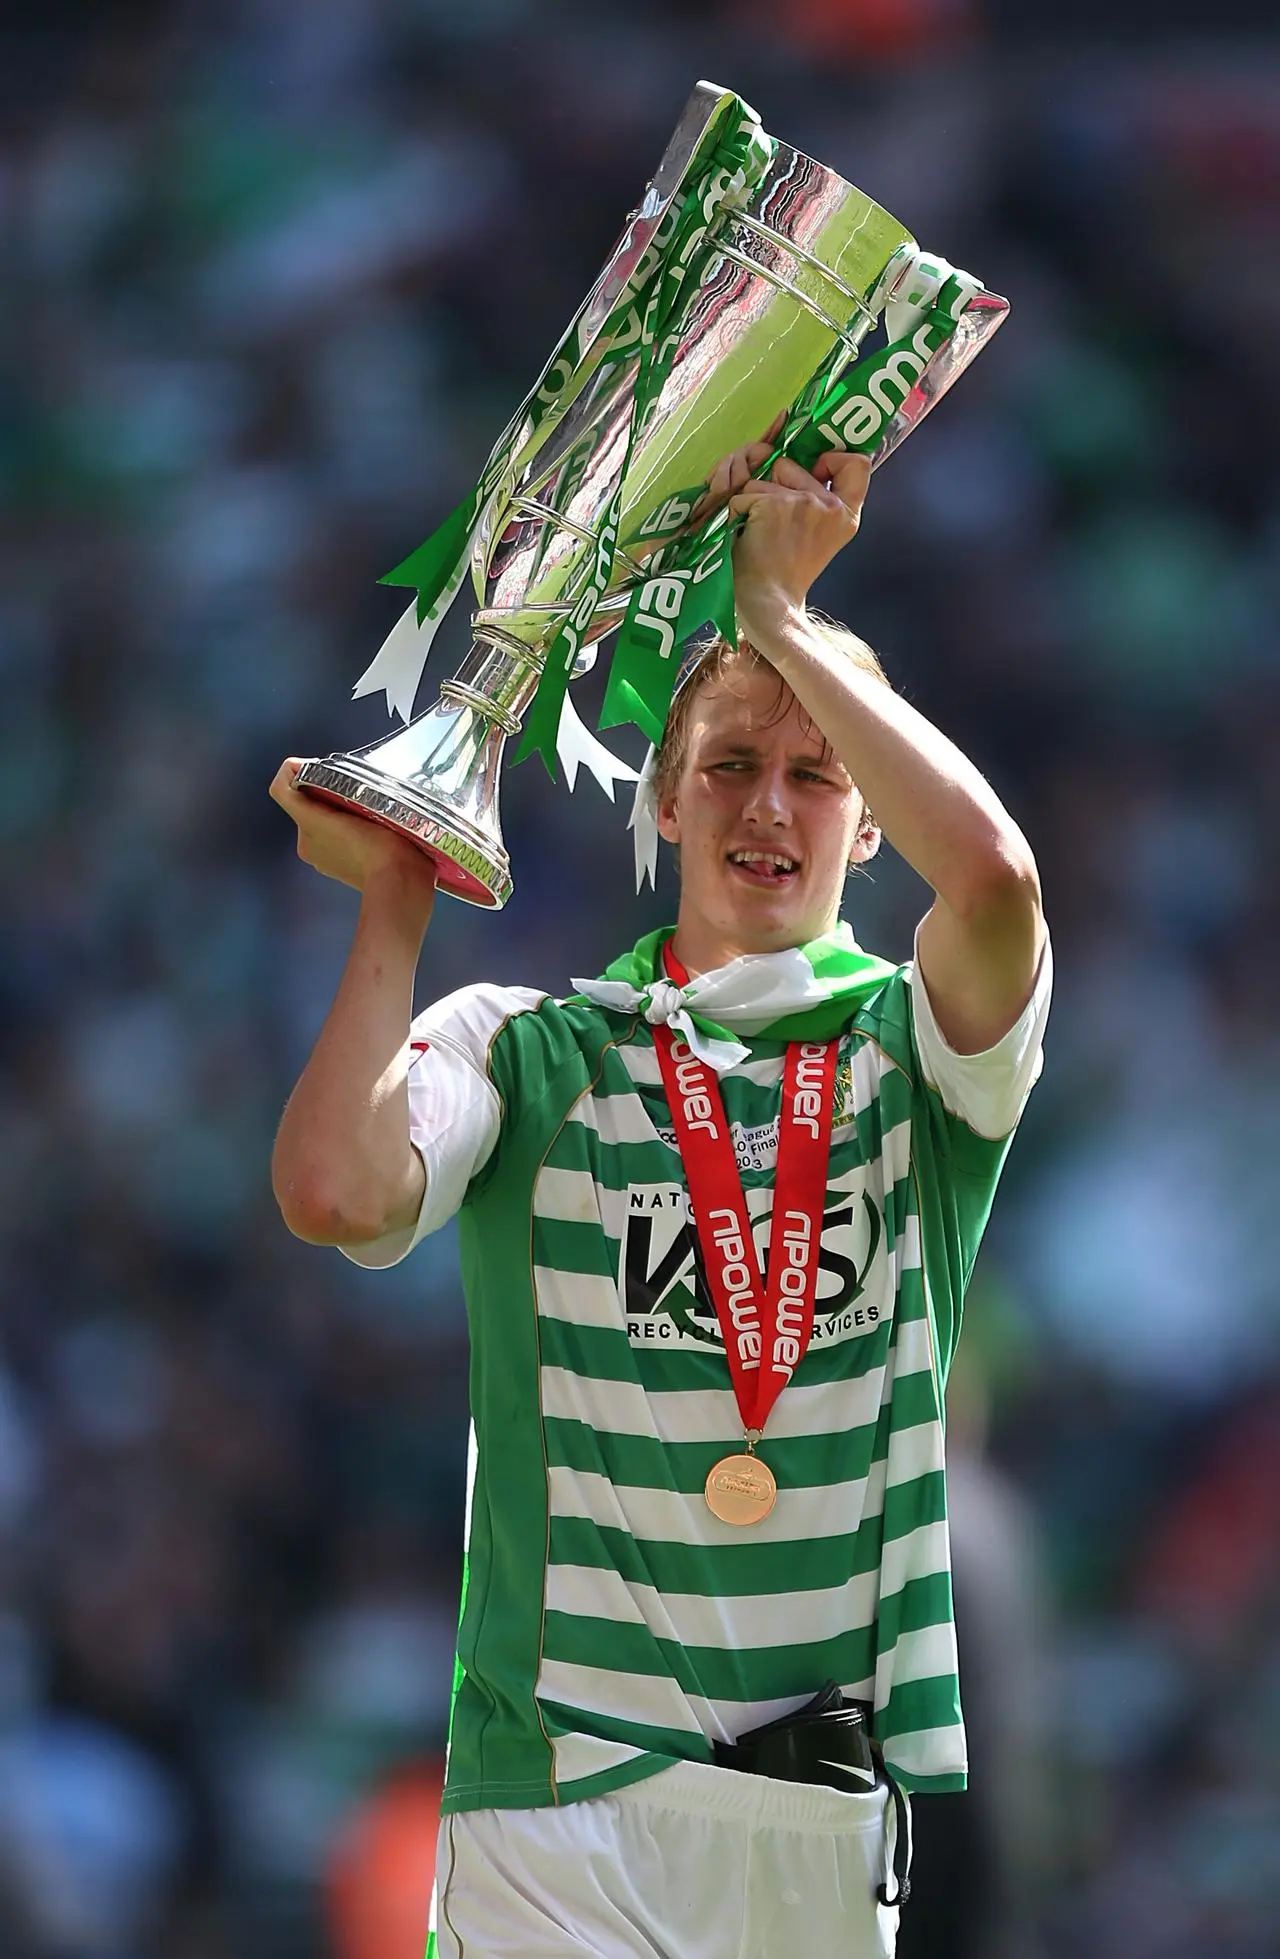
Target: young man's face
[(766, 818)]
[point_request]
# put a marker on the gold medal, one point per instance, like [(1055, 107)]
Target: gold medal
[(741, 1490)]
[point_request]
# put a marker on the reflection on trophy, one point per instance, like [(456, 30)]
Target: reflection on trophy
[(747, 286)]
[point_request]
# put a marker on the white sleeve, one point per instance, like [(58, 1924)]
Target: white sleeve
[(454, 1111), (987, 1091)]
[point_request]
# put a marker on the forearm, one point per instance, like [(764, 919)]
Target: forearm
[(344, 1169), (933, 805)]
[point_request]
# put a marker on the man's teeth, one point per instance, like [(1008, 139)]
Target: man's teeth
[(770, 857)]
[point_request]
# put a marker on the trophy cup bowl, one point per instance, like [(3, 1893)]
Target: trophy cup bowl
[(801, 267)]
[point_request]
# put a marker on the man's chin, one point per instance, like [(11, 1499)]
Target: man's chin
[(772, 921)]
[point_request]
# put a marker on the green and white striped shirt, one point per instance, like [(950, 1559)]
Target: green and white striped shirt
[(610, 1622)]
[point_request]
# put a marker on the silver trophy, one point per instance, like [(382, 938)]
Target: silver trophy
[(777, 272)]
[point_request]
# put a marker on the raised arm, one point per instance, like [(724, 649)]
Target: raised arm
[(981, 942), (344, 1170)]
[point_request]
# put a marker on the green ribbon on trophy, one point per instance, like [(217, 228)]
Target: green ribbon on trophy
[(738, 161), (842, 407), (646, 319)]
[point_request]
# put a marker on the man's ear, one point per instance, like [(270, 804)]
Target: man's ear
[(866, 840), (668, 821)]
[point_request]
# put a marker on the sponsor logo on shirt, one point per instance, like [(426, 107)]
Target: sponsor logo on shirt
[(664, 1291)]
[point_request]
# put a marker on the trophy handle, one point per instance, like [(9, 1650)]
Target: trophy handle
[(436, 782)]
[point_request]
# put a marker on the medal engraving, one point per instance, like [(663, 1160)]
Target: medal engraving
[(741, 1490)]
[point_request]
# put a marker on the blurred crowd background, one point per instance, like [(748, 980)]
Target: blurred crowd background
[(276, 272)]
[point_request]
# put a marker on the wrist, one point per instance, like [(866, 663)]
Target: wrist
[(399, 892), (773, 621)]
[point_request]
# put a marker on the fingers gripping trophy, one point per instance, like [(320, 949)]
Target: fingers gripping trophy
[(751, 290)]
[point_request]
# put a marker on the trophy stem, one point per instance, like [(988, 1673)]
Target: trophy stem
[(436, 780)]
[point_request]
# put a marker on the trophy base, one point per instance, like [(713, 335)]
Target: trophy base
[(469, 864)]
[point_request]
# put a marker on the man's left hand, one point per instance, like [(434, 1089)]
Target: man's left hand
[(797, 521)]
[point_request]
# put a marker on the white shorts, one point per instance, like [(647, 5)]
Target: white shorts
[(692, 1863)]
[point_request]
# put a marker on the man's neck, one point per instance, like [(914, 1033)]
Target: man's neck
[(700, 948), (695, 963)]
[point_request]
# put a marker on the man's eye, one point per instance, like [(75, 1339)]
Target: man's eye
[(812, 775), (735, 763)]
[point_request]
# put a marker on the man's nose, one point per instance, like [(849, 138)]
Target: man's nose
[(769, 801)]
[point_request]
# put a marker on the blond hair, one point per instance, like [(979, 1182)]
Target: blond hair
[(717, 658)]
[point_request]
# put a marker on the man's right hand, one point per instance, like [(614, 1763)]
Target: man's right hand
[(344, 1168), (351, 848)]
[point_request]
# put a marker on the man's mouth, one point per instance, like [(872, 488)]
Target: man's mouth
[(764, 866)]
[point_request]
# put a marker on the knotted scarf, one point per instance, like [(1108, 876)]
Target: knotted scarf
[(808, 993)]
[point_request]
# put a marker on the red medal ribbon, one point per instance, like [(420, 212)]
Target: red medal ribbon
[(766, 1329)]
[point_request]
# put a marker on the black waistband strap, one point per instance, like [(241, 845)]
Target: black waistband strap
[(829, 1742)]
